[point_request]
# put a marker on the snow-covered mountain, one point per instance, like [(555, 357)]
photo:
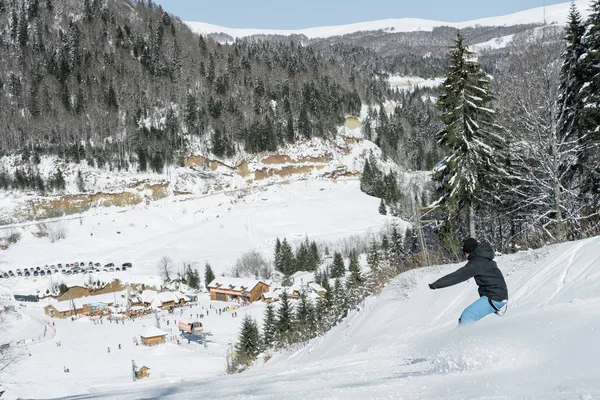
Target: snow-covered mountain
[(554, 14)]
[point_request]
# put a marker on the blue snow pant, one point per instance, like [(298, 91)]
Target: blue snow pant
[(478, 310)]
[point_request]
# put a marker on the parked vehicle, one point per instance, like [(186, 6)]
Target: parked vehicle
[(59, 265), (109, 265), (127, 265), (42, 273), (27, 273), (36, 273), (19, 273)]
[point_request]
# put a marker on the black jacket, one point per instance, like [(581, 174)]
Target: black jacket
[(485, 271)]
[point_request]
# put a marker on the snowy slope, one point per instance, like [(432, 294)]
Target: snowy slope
[(404, 344), (553, 14), (216, 229)]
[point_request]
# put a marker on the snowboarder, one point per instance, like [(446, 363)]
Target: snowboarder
[(492, 286), (108, 350), (119, 346)]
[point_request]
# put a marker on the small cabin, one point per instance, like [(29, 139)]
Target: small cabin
[(153, 336), (142, 372)]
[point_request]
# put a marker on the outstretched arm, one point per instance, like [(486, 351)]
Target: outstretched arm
[(458, 276)]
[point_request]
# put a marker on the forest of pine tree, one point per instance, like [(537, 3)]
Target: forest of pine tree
[(128, 86), (522, 159)]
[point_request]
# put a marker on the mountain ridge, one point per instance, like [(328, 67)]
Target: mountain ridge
[(554, 14)]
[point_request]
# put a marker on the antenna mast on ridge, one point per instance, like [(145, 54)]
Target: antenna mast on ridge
[(544, 2)]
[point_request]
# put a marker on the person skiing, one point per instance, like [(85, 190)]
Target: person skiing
[(492, 286)]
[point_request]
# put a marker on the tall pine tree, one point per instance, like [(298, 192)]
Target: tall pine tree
[(249, 344), (470, 138), (590, 117)]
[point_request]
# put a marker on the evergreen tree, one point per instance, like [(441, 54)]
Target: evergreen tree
[(269, 327), (278, 257), (366, 178), (356, 278), (192, 278), (303, 256), (570, 103), (304, 319), (284, 321), (287, 258), (382, 208), (80, 182), (313, 257), (589, 156), (248, 342), (209, 275), (340, 302), (338, 269), (469, 136), (59, 180)]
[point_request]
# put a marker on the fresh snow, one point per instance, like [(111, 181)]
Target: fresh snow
[(557, 13), (401, 344)]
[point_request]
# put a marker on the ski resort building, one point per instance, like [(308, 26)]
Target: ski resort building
[(83, 305), (237, 289), (152, 336), (154, 299)]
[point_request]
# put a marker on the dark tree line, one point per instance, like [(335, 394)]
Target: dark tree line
[(128, 86)]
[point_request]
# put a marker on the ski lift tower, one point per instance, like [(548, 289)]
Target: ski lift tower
[(157, 318)]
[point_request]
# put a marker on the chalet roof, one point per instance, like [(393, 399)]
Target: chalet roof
[(152, 331), (107, 298), (235, 284), (148, 295)]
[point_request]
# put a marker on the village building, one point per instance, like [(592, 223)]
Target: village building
[(237, 289), (159, 300), (152, 336), (84, 305), (302, 282), (142, 372)]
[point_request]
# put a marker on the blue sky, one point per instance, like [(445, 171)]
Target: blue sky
[(298, 14)]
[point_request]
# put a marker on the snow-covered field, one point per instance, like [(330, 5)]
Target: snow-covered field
[(217, 229)]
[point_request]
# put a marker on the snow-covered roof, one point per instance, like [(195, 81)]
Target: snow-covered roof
[(107, 298), (148, 295), (152, 332), (237, 284), (304, 281), (166, 297)]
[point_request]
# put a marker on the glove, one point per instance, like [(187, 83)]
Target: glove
[(431, 286)]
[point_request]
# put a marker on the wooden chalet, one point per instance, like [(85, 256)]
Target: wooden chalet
[(237, 289), (142, 372), (152, 336), (89, 305)]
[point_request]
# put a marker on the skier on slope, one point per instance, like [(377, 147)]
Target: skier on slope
[(492, 287)]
